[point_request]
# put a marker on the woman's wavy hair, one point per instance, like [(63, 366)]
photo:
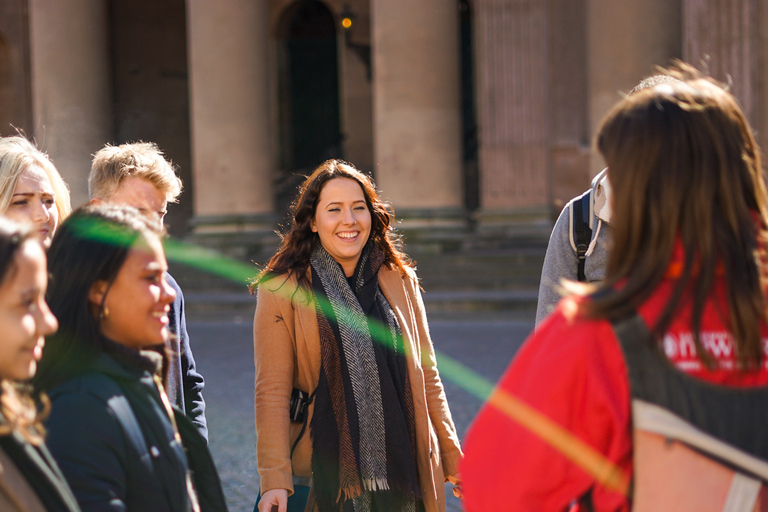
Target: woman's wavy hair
[(685, 169), (91, 245), (17, 407), (292, 257)]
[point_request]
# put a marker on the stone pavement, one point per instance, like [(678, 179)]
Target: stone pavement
[(485, 342)]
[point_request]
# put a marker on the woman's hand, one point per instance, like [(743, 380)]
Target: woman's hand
[(274, 499), (456, 481)]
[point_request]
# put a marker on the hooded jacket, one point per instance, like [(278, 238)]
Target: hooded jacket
[(111, 434)]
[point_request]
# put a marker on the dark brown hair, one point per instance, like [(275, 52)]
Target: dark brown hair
[(685, 169), (91, 245), (299, 240)]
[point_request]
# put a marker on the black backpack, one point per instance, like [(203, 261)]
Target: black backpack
[(581, 230)]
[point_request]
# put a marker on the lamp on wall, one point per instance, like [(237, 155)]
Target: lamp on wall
[(362, 50)]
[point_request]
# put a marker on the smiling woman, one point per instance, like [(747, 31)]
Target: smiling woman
[(111, 427), (29, 478), (340, 329), (31, 189)]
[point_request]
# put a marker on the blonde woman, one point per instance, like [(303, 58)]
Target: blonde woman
[(31, 189)]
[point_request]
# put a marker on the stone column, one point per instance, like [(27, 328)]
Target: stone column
[(71, 91), (762, 103), (724, 36), (417, 118), (627, 40), (512, 68), (231, 151)]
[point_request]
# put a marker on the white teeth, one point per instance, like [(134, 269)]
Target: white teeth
[(347, 235)]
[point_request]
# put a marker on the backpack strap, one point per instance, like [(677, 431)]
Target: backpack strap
[(581, 231), (694, 448)]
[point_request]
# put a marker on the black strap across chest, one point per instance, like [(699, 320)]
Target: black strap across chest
[(737, 416)]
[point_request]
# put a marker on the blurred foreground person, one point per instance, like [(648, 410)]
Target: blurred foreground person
[(31, 189), (342, 349), (112, 429), (601, 406), (30, 480)]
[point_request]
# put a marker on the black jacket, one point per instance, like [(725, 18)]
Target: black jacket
[(185, 384), (35, 465), (113, 439)]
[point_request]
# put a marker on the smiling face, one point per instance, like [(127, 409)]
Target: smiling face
[(34, 202), (24, 315), (137, 303), (342, 221)]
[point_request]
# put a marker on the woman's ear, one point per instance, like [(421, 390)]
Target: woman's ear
[(96, 293)]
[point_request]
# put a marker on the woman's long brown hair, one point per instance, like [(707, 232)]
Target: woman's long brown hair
[(684, 166), (294, 252)]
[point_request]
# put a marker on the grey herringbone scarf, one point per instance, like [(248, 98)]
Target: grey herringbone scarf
[(363, 427)]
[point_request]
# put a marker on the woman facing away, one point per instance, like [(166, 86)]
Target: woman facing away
[(30, 480), (111, 428), (690, 213), (340, 318), (31, 189)]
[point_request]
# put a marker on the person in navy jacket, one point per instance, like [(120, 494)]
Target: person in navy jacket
[(138, 175)]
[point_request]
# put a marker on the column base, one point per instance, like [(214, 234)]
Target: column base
[(510, 227), (244, 237), (432, 231)]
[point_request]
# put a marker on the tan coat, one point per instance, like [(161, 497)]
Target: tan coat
[(287, 356)]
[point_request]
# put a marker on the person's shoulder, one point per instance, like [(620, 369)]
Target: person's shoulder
[(407, 276), (93, 383), (567, 331), (272, 282), (283, 287)]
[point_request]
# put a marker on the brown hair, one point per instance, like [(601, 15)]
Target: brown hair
[(685, 169), (17, 407), (298, 241)]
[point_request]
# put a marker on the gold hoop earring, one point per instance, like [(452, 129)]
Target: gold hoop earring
[(104, 313)]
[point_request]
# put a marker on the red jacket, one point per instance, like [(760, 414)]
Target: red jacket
[(572, 371)]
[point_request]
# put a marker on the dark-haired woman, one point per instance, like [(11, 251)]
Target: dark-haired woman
[(30, 480), (678, 326), (112, 429), (340, 319)]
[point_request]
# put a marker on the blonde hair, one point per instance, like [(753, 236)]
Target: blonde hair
[(113, 164), (17, 154)]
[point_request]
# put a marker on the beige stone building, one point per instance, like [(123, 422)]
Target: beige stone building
[(474, 116)]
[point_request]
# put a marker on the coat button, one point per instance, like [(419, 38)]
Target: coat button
[(154, 451)]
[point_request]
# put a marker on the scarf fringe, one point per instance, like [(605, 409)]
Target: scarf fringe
[(370, 485), (349, 492), (376, 484)]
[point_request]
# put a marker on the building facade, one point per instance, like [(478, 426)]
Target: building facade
[(475, 117)]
